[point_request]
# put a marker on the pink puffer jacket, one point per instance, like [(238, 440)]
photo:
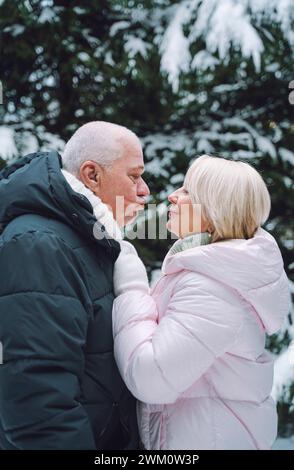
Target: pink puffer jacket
[(193, 351)]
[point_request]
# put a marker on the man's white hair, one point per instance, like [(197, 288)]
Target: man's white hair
[(99, 141), (233, 196)]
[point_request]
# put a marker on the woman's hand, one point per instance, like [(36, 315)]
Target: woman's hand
[(129, 271)]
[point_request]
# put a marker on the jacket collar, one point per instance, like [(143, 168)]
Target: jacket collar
[(35, 184)]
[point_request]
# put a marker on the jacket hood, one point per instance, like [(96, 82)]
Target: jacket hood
[(35, 184), (254, 268)]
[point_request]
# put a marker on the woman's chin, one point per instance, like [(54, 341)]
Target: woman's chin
[(170, 227)]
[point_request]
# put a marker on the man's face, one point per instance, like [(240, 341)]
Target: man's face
[(122, 186)]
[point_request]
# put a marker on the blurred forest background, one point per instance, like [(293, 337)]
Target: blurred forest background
[(189, 77)]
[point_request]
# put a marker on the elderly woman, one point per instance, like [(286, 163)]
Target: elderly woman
[(193, 350)]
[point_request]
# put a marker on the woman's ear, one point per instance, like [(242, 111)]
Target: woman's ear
[(210, 228), (206, 226)]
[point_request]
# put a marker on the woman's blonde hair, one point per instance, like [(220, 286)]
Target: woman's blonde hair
[(233, 196)]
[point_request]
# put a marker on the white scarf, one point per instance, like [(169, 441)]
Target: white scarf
[(102, 213)]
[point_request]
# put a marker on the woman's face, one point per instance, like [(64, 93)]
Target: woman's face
[(184, 216)]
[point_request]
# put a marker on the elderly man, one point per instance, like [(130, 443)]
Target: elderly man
[(59, 384)]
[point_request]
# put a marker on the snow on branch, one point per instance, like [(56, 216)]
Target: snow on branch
[(223, 25)]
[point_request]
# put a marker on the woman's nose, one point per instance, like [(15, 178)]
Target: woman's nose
[(173, 198)]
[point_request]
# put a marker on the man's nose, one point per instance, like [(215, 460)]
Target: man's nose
[(143, 189)]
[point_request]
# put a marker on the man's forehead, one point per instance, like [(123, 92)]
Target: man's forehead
[(131, 162)]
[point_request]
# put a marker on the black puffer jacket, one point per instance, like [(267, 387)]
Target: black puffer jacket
[(59, 384)]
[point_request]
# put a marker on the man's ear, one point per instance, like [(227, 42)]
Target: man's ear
[(90, 175)]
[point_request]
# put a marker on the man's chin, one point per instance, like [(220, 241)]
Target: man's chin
[(130, 219), (126, 219), (130, 215)]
